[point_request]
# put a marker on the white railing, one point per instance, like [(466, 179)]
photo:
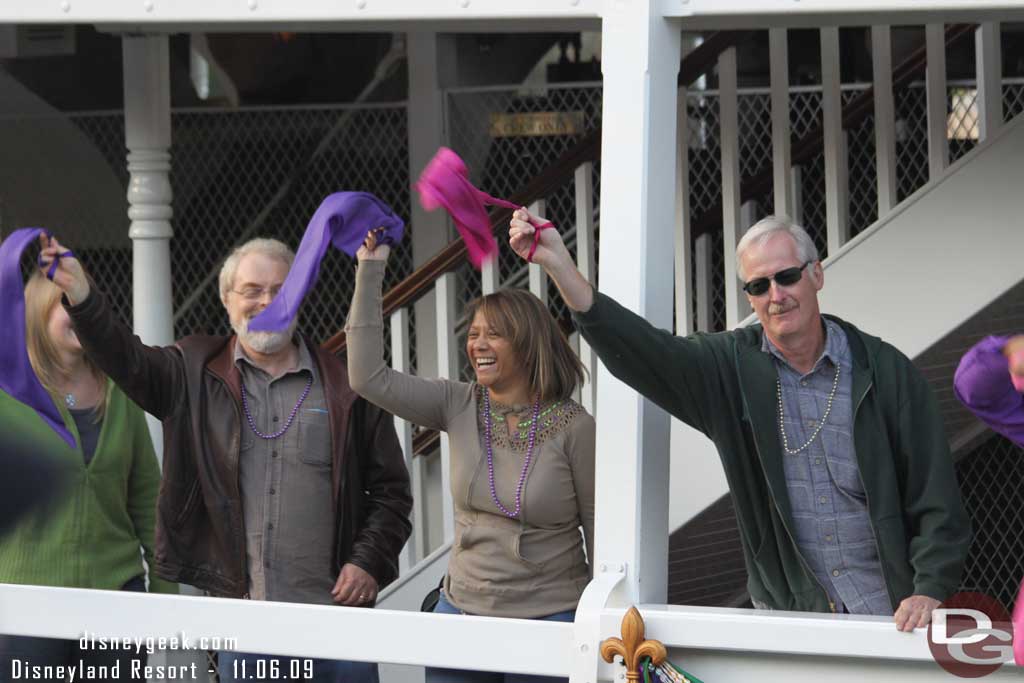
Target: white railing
[(715, 644)]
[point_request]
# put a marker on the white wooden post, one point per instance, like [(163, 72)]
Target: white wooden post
[(447, 366), (736, 306), (935, 86), (147, 124), (587, 264), (989, 68), (683, 256), (837, 188), (413, 549), (781, 157), (641, 52), (538, 278), (885, 117)]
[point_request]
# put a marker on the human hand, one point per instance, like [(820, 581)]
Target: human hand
[(69, 276), (371, 251), (354, 587), (550, 252), (914, 612)]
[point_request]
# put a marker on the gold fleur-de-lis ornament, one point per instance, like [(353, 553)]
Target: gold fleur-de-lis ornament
[(632, 647)]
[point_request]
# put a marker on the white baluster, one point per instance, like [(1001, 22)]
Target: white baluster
[(413, 550), (837, 186), (736, 306), (989, 68), (585, 261), (447, 366), (885, 117), (683, 258), (538, 278), (937, 97), (705, 283), (778, 56)]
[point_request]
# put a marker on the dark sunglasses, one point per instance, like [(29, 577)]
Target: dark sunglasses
[(787, 277)]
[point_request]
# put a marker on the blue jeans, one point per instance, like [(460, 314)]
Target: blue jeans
[(245, 666), (462, 676)]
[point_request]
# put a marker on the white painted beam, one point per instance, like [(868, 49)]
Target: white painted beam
[(641, 53), (989, 68), (778, 56), (885, 117), (837, 187), (154, 12), (937, 97)]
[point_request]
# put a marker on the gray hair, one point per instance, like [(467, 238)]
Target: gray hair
[(271, 248), (764, 229)]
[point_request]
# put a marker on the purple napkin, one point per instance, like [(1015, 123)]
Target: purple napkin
[(343, 220), (17, 378)]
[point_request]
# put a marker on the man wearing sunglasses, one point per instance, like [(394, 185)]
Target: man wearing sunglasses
[(831, 440)]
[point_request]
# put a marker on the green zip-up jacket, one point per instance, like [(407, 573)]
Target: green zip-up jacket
[(724, 385), (91, 537)]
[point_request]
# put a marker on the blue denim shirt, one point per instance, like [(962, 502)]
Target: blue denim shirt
[(826, 495)]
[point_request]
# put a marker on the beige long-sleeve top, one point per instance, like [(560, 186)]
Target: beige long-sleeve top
[(531, 566)]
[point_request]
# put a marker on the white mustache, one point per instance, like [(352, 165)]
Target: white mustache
[(776, 309)]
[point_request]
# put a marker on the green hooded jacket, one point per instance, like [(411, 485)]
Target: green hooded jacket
[(724, 385)]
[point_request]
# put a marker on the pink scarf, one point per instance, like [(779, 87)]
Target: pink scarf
[(445, 183)]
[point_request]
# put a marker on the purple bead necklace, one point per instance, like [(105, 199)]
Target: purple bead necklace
[(287, 424), (511, 514)]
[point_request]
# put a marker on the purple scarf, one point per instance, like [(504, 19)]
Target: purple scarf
[(17, 378), (983, 383), (343, 220)]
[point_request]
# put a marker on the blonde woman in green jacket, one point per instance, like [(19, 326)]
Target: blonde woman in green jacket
[(96, 534)]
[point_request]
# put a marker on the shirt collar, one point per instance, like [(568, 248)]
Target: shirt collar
[(834, 346)]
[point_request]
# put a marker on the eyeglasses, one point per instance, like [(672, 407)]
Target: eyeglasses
[(787, 277), (256, 293)]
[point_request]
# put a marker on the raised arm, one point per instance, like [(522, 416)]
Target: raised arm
[(677, 373), (421, 401), (153, 377)]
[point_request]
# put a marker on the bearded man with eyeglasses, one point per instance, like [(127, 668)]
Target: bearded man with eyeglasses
[(279, 482), (831, 440)]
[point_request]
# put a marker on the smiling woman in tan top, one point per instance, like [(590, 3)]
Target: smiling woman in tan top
[(522, 452)]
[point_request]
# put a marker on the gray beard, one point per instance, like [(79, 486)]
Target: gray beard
[(264, 342)]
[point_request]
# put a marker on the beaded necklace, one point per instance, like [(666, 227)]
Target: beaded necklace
[(287, 424), (511, 514), (821, 423)]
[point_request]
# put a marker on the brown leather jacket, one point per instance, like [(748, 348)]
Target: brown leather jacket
[(195, 389)]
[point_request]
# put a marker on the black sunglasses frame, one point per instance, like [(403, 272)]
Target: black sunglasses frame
[(758, 282)]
